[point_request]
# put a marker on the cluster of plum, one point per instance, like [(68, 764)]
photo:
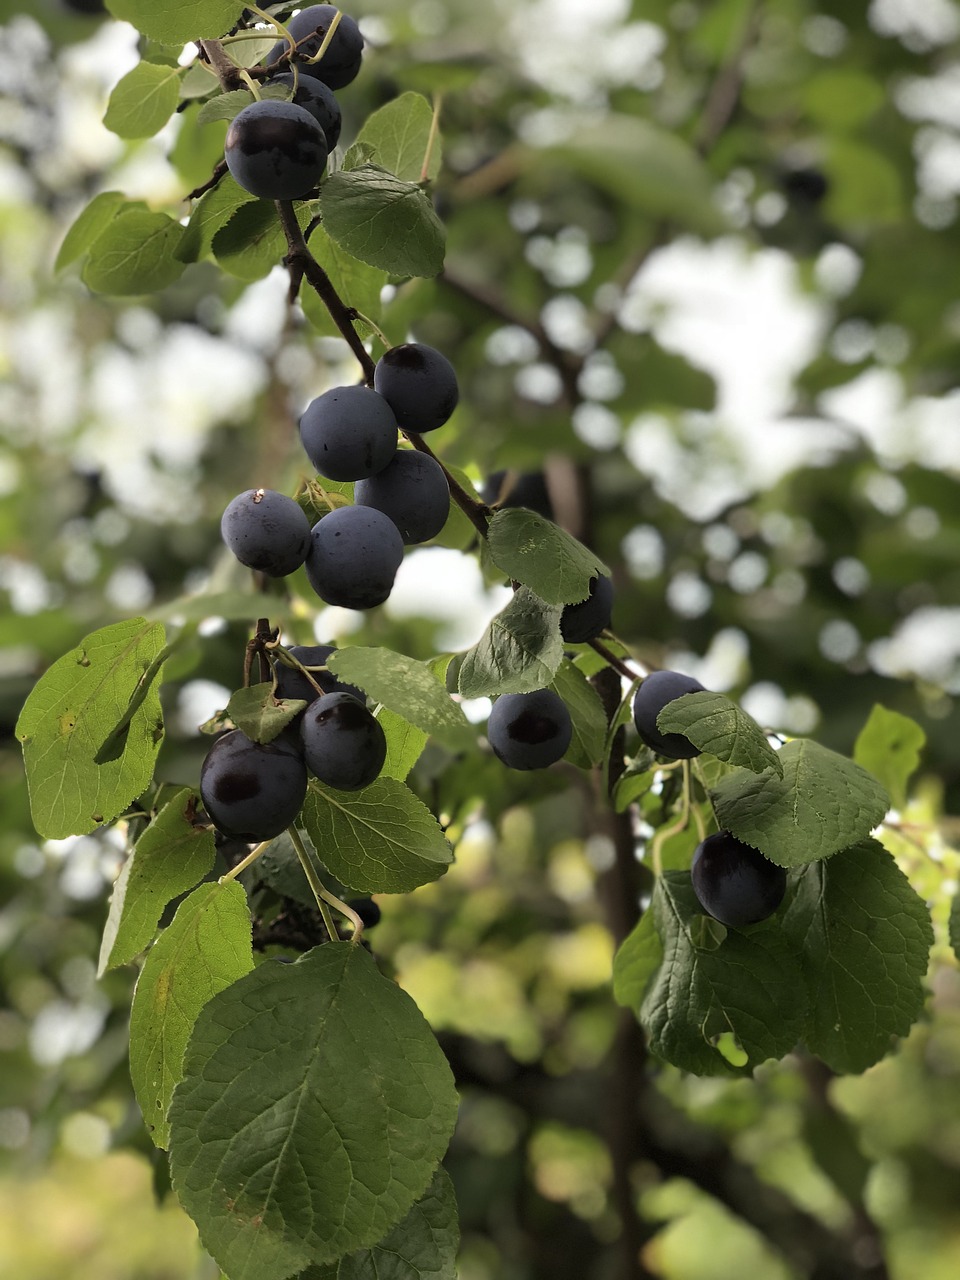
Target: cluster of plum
[(276, 148), (733, 882), (253, 791), (401, 497)]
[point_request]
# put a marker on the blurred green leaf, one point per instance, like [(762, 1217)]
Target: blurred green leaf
[(889, 746)]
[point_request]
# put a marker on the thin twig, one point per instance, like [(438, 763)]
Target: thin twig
[(228, 73)]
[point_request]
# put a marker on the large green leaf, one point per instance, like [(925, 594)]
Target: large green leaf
[(314, 1107), (135, 253), (378, 840), (354, 280), (407, 687), (397, 137), (714, 983), (864, 936), (380, 220), (173, 854), (144, 100), (405, 743), (536, 552), (205, 948), (718, 726), (586, 712), (889, 747), (423, 1246), (520, 650), (638, 958), (88, 224), (178, 21), (210, 214), (251, 243), (822, 803), (73, 714)]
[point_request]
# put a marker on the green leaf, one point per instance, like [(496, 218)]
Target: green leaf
[(233, 606), (178, 21), (632, 786), (824, 802), (354, 280), (380, 220), (645, 166), (143, 101), (205, 948), (638, 958), (715, 982), (520, 650), (889, 747), (586, 711), (314, 1108), (718, 726), (134, 254), (407, 687), (398, 136), (405, 743), (88, 225), (863, 936), (533, 550), (73, 709), (252, 243), (423, 1246), (173, 854), (259, 714), (378, 840), (226, 105), (210, 214), (954, 925)]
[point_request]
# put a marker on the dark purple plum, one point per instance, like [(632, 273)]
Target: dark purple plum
[(529, 730), (734, 882), (317, 98), (266, 531), (354, 557), (275, 150), (419, 384), (343, 745), (294, 684), (252, 790), (412, 490), (584, 621), (349, 433), (341, 62), (659, 688)]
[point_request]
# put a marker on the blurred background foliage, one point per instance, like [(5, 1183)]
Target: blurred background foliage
[(701, 278)]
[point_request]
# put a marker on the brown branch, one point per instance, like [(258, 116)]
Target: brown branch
[(301, 262), (724, 95), (219, 170), (228, 73)]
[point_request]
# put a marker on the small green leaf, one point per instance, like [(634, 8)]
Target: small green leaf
[(173, 854), (314, 1107), (889, 747), (380, 220), (225, 105), (378, 840), (718, 726), (134, 254), (352, 279), (863, 936), (73, 709), (143, 101), (586, 711), (639, 957), (252, 242), (520, 650), (178, 21), (824, 802), (405, 743), (259, 714), (88, 225), (205, 948), (954, 925), (212, 212), (714, 982), (407, 687), (533, 550), (421, 1247), (397, 137), (632, 786)]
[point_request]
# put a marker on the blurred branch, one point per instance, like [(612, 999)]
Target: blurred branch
[(724, 95)]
